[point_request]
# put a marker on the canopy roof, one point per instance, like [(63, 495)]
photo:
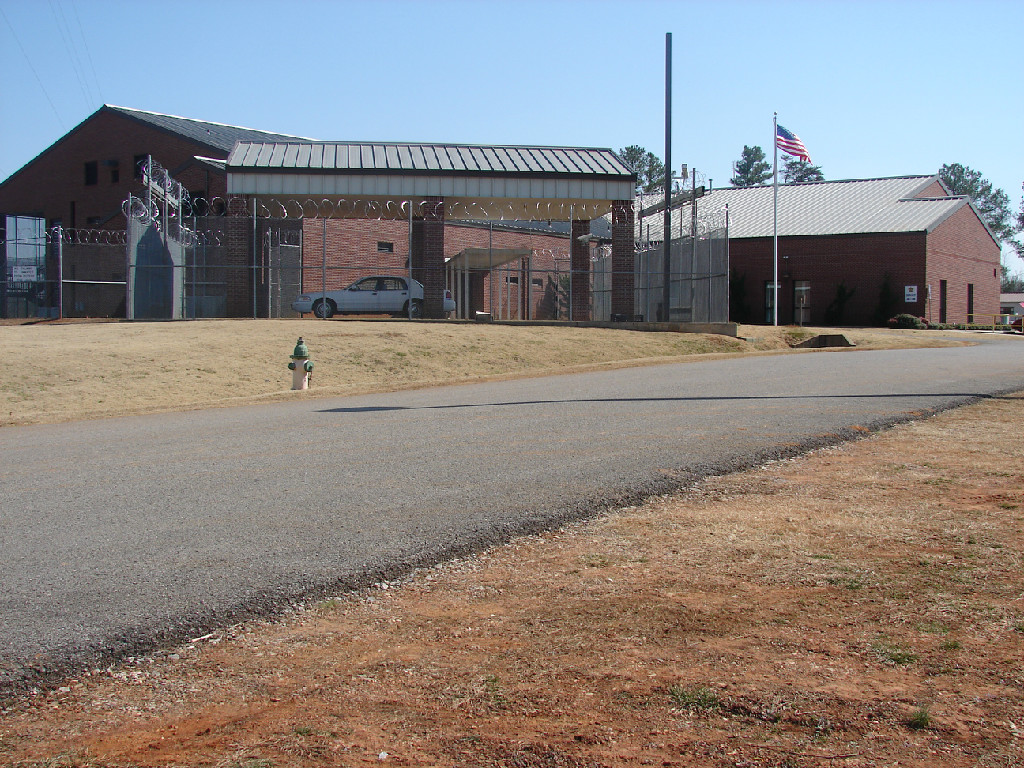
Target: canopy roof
[(476, 182)]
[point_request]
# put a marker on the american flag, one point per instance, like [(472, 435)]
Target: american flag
[(790, 143)]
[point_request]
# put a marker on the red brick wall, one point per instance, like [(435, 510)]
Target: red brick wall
[(352, 253), (961, 252), (52, 182), (860, 262)]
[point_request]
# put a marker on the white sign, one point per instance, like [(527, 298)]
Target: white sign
[(24, 273), (910, 294)]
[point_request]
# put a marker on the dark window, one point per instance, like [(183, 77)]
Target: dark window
[(512, 280), (92, 173), (537, 282), (970, 302), (115, 170), (393, 284), (385, 247)]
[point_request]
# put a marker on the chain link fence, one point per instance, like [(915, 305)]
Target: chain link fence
[(184, 258)]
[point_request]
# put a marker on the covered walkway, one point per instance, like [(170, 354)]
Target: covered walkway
[(430, 184)]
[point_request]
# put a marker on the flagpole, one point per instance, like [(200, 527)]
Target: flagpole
[(775, 221)]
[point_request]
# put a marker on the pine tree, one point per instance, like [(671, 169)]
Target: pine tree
[(752, 168), (650, 171), (993, 204), (796, 170)]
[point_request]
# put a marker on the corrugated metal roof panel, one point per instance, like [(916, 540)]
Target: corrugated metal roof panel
[(404, 156), (218, 135), (428, 158), (819, 208)]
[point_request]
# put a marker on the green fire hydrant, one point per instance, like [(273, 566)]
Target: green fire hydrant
[(300, 366)]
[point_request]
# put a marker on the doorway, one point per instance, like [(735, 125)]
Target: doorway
[(801, 302)]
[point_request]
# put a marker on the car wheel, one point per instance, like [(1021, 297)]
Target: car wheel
[(323, 309), (417, 309)]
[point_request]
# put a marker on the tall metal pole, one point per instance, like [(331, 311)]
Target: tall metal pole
[(775, 221), (255, 266), (490, 265), (666, 291), (409, 305), (323, 269), (60, 272), (693, 222), (572, 245)]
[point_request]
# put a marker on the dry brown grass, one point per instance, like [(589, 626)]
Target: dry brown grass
[(858, 606), (53, 372)]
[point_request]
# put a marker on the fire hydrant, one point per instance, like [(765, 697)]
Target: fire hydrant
[(300, 366)]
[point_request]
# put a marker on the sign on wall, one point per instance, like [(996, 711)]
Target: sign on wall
[(24, 273), (910, 294)]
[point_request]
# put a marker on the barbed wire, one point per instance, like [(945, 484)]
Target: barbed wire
[(293, 208), (74, 236)]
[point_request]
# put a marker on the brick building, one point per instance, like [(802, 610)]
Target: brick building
[(83, 179), (858, 252)]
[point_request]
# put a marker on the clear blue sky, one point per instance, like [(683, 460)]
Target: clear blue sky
[(873, 88)]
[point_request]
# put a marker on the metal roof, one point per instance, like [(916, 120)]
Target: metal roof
[(216, 135), (432, 159), (853, 206)]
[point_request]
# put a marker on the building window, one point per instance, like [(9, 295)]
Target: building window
[(537, 282), (512, 279), (92, 173), (383, 247), (115, 170)]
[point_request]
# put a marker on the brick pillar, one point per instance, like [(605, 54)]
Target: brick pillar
[(239, 272), (623, 279), (580, 262), (428, 255)]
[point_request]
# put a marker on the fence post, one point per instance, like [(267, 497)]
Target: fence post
[(60, 272)]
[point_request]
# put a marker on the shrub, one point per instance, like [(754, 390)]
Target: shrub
[(908, 321)]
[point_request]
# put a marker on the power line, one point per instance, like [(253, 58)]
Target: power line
[(88, 53), (33, 69), (71, 49)]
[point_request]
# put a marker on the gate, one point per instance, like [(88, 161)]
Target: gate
[(281, 278)]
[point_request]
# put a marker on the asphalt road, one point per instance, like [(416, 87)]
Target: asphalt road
[(124, 534)]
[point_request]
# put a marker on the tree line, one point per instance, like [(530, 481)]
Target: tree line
[(753, 169)]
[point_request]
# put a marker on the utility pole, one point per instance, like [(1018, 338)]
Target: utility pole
[(667, 230)]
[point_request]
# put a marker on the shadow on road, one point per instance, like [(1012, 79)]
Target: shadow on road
[(704, 399)]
